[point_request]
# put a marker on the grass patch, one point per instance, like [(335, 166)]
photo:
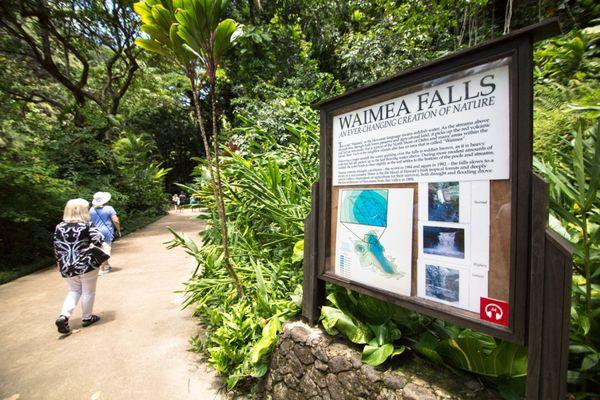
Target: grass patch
[(10, 273)]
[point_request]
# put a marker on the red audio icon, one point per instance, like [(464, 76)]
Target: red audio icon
[(493, 310)]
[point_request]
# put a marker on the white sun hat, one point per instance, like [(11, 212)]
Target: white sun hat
[(100, 198)]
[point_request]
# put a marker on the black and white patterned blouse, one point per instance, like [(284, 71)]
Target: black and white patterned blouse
[(72, 247)]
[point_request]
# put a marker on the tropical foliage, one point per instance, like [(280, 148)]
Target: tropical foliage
[(387, 331), (74, 91), (267, 193), (568, 155)]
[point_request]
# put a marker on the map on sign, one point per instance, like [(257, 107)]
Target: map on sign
[(365, 207), (371, 253), (374, 232)]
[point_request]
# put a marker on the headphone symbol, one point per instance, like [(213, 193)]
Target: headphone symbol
[(493, 311)]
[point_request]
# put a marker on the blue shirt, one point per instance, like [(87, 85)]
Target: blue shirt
[(102, 219)]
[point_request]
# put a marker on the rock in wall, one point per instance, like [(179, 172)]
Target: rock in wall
[(309, 364)]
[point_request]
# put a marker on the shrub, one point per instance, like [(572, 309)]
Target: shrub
[(267, 195)]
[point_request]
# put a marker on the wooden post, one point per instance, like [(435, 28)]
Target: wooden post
[(313, 288), (549, 304)]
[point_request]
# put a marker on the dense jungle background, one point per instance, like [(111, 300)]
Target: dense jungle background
[(84, 109)]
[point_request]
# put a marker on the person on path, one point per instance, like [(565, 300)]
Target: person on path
[(182, 200), (175, 201), (105, 219), (194, 202), (72, 240)]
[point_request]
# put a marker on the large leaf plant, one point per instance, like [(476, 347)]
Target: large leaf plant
[(376, 325)]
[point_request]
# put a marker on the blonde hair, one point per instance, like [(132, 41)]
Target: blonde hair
[(77, 210)]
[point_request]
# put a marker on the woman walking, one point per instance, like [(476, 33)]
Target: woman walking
[(105, 219), (175, 201), (73, 239)]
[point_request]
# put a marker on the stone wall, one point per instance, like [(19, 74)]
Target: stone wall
[(309, 364)]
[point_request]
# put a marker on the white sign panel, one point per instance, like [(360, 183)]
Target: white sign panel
[(374, 238), (450, 129), (454, 228)]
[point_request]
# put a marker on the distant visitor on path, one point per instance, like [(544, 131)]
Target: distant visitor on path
[(182, 199), (194, 202), (74, 241), (175, 201), (105, 219)]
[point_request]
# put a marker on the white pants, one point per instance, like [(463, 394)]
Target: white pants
[(107, 247), (84, 287)]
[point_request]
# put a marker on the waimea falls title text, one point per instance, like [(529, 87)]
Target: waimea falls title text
[(468, 95)]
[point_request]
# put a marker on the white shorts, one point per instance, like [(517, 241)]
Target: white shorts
[(106, 247)]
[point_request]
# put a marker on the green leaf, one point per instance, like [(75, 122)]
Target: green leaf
[(265, 343), (374, 311), (584, 322), (178, 46), (156, 33), (144, 11), (343, 300), (335, 320), (578, 165), (594, 174), (590, 361), (162, 17), (487, 343), (579, 349), (223, 38), (558, 180), (385, 333), (398, 350), (232, 380), (153, 46), (427, 346), (260, 370), (506, 360), (186, 32), (298, 251), (575, 377), (376, 355)]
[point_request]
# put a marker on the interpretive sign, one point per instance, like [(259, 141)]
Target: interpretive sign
[(424, 176), (426, 200), (454, 127)]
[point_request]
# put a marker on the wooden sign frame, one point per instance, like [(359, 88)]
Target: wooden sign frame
[(516, 46)]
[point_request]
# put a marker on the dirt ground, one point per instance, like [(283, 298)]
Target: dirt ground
[(140, 348)]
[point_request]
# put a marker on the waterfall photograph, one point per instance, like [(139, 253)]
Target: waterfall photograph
[(444, 241), (443, 201), (442, 283)]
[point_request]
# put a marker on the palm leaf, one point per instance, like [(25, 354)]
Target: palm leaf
[(152, 46), (223, 37)]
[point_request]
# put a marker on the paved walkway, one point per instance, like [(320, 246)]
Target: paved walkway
[(139, 350)]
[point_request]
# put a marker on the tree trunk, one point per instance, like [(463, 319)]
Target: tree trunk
[(215, 183), (252, 12), (508, 16), (219, 187)]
